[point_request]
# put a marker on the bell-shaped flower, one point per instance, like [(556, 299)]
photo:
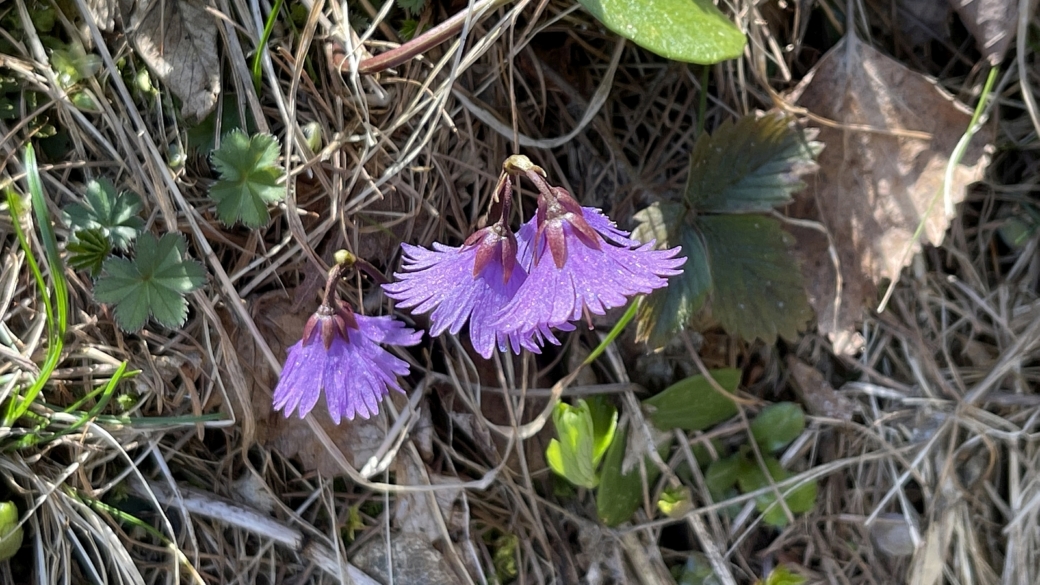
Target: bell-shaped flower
[(470, 283), (340, 355), (579, 262)]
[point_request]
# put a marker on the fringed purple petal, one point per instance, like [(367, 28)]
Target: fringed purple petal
[(355, 372), (592, 280), (441, 282)]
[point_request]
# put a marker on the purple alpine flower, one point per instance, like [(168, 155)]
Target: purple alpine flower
[(340, 355), (578, 263), (457, 287), (470, 283)]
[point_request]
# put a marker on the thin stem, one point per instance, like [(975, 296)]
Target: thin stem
[(425, 41), (329, 297)]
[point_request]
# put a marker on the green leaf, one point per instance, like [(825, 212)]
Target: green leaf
[(573, 455), (667, 310), (116, 215), (693, 31), (409, 29), (249, 178), (777, 425), (412, 7), (758, 285), (692, 404), (154, 283), (202, 136), (751, 165), (620, 491), (604, 425), (751, 478), (10, 532), (504, 557), (697, 571), (88, 250), (73, 63), (721, 476), (783, 576), (675, 502)]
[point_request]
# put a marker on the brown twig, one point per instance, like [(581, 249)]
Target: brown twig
[(425, 41)]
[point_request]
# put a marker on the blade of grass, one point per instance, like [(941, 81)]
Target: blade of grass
[(56, 310), (36, 438), (262, 45), (625, 319)]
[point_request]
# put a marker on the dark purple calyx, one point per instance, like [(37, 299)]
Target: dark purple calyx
[(494, 243), (555, 207), (329, 322)]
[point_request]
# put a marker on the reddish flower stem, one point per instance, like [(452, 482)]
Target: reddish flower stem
[(423, 42)]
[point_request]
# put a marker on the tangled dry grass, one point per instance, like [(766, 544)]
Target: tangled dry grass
[(929, 478)]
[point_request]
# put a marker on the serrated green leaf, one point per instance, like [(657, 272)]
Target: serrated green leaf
[(571, 456), (154, 283), (409, 29), (10, 532), (751, 165), (667, 310), (758, 285), (249, 177), (692, 31), (692, 404), (777, 425), (88, 250), (412, 7), (202, 137), (751, 478), (115, 214)]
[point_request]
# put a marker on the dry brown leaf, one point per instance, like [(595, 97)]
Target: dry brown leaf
[(818, 396), (991, 22), (107, 12), (926, 20), (875, 183), (178, 41)]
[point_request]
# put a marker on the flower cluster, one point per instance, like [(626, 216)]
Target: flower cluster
[(566, 262), (513, 289)]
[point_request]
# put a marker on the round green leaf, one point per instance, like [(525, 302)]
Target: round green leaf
[(693, 31), (777, 425), (801, 499)]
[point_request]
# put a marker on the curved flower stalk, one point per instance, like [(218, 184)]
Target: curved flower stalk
[(340, 355)]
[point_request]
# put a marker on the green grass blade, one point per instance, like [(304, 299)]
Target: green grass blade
[(262, 45), (57, 310), (630, 313)]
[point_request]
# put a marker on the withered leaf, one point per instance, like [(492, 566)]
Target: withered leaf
[(991, 22), (178, 41), (879, 177)]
